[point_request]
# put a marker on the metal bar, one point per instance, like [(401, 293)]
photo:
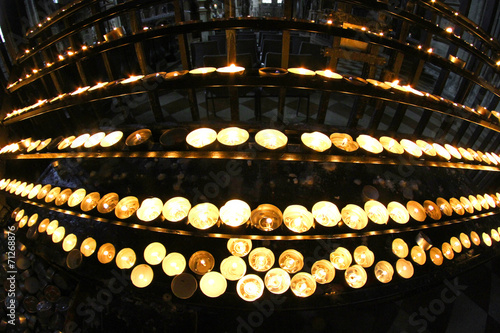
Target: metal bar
[(257, 155)]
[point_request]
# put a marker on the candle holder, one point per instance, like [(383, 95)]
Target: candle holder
[(328, 74), (58, 234), (176, 209), (378, 84), (277, 281), (150, 209), (106, 253), (271, 139), (291, 261), (341, 258), (250, 287), (52, 195), (32, 220), (316, 142), (233, 268), (116, 33), (154, 253), (303, 284), (400, 248), (357, 81), (112, 140), (42, 227), (140, 140), (174, 75), (69, 242), (33, 146), (418, 255), (391, 145), (363, 256), (233, 137), (44, 144), (142, 276), (132, 79), (326, 213), (74, 259), (239, 247), (261, 259), (94, 141), (354, 217), (76, 197), (457, 207), (482, 201), (202, 138), (474, 237), (344, 142), (126, 207), (20, 188), (404, 268), (88, 246), (201, 262), (235, 213), (416, 211), (369, 144), (475, 203), (174, 264), (203, 216), (441, 151), (184, 285), (63, 197), (90, 201), (231, 70), (355, 276), (475, 155), (297, 218), (444, 206), (78, 143), (384, 271), (466, 155), (202, 71), (464, 239), (107, 203), (376, 212), (453, 151), (65, 144), (266, 217), (213, 284), (426, 148), (272, 71), (411, 148), (436, 256), (29, 187), (486, 239), (447, 251), (174, 139), (432, 210), (301, 72), (323, 271)]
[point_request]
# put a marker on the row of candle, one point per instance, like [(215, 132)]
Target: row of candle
[(233, 69), (265, 217), (272, 139), (261, 259)]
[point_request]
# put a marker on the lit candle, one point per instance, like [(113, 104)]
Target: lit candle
[(363, 256), (42, 227), (51, 196), (58, 234), (376, 212), (427, 148), (79, 141), (277, 281), (329, 74), (125, 259), (201, 137), (126, 207), (432, 210), (486, 239), (111, 139), (475, 238), (291, 261), (94, 140), (266, 217), (323, 271), (297, 218), (436, 256), (231, 69), (250, 287), (354, 217), (202, 70), (369, 144), (233, 268), (88, 246), (174, 264), (235, 213), (341, 258), (142, 276), (411, 148), (176, 209), (271, 139), (464, 239), (201, 262), (69, 242), (316, 141), (154, 253), (239, 247), (441, 151), (400, 248), (404, 268), (447, 251), (232, 136), (32, 220), (355, 276), (53, 225), (106, 253), (384, 271), (132, 78), (303, 284), (150, 209), (76, 197), (107, 203), (213, 284), (90, 201), (261, 259), (344, 141), (63, 197), (301, 71), (416, 211), (326, 213), (203, 216), (139, 139), (418, 255)]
